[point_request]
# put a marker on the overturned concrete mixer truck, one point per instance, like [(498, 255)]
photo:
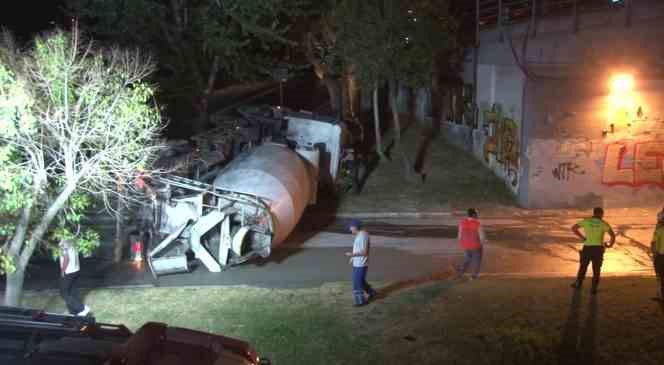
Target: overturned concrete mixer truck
[(252, 202)]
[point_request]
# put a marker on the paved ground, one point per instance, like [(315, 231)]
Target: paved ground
[(402, 249)]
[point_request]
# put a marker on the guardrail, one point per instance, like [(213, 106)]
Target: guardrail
[(486, 14)]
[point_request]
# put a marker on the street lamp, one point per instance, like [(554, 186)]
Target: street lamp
[(281, 92), (281, 75)]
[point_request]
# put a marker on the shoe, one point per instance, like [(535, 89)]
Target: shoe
[(84, 312), (593, 291), (371, 296), (454, 271), (575, 285)]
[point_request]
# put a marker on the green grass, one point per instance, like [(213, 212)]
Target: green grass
[(454, 178), (490, 321), (289, 326)]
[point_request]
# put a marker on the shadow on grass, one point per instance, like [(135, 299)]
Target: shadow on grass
[(579, 346), (373, 159), (396, 287)]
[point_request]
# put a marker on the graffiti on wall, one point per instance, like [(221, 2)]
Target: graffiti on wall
[(634, 164), (502, 141), (573, 148), (565, 170)]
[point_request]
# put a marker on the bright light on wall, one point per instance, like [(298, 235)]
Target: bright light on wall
[(622, 83), (622, 102)]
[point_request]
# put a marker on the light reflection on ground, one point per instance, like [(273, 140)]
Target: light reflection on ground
[(518, 244)]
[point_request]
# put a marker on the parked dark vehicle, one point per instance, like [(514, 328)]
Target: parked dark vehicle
[(30, 336)]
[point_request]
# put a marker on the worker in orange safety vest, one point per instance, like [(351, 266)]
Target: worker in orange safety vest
[(471, 239)]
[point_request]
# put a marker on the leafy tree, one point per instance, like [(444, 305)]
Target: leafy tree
[(360, 28), (321, 51), (198, 42), (74, 120), (395, 41)]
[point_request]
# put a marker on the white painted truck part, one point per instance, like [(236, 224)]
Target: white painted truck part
[(252, 206), (254, 202), (278, 176)]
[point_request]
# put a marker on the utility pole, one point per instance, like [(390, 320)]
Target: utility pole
[(280, 74)]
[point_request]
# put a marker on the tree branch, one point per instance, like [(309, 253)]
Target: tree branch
[(256, 29), (42, 227)]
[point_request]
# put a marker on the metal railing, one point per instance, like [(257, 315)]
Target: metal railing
[(486, 14)]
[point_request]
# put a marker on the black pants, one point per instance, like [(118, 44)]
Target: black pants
[(659, 270), (70, 294), (594, 254)]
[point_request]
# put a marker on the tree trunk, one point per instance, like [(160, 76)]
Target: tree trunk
[(421, 104), (406, 164), (14, 287), (353, 96), (14, 281), (119, 232), (377, 131), (350, 96), (334, 91), (41, 228), (24, 222), (345, 98), (21, 230), (435, 93), (202, 123)]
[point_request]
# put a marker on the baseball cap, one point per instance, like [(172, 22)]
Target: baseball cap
[(355, 223)]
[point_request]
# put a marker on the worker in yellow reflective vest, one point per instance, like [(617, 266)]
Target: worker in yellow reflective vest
[(657, 248), (594, 246)]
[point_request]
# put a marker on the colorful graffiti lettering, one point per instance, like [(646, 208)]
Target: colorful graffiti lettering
[(502, 141), (634, 164)]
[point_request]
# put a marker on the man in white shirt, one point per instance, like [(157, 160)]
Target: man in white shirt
[(359, 258), (69, 271)]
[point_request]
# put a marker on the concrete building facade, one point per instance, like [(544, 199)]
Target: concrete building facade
[(571, 107)]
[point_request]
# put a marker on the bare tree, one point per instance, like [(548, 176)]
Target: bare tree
[(75, 120)]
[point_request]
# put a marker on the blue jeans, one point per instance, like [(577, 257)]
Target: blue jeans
[(360, 285), (474, 258)]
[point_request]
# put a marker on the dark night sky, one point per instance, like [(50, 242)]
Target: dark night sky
[(28, 17)]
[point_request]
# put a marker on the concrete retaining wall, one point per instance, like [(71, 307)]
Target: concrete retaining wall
[(544, 133)]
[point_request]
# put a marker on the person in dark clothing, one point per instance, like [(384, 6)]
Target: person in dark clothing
[(657, 248), (69, 272)]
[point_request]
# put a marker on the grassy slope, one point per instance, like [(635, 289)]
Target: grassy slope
[(454, 178), (490, 321)]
